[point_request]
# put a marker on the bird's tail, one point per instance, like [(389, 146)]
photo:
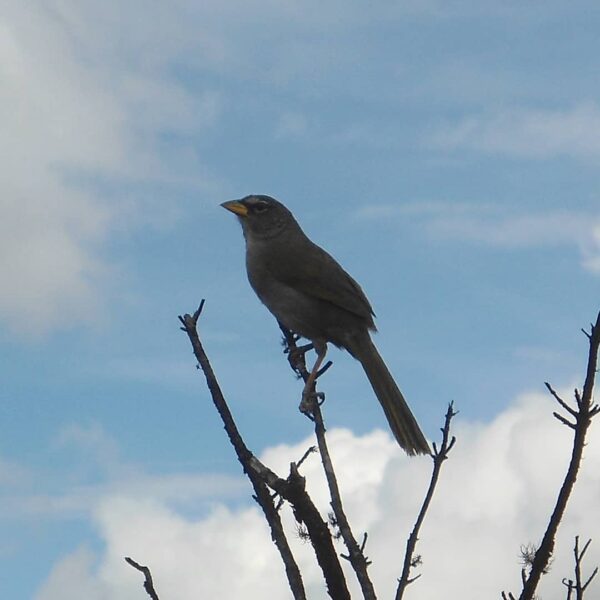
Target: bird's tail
[(402, 422)]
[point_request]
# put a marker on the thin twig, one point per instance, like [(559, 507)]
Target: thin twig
[(148, 583), (438, 456), (297, 464), (570, 410), (355, 555), (564, 421), (583, 417), (570, 585), (579, 586), (310, 451)]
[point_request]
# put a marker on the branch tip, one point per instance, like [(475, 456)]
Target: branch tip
[(564, 421), (199, 309), (555, 395), (148, 583), (324, 368), (451, 444), (438, 457)]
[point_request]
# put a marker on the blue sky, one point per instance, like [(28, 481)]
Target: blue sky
[(458, 141)]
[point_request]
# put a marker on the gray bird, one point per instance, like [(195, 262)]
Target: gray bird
[(310, 294)]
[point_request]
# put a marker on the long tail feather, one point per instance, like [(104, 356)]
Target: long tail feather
[(403, 424)]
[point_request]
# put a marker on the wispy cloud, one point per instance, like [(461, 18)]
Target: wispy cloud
[(494, 225), (13, 474), (189, 492), (73, 105), (98, 470), (527, 133), (551, 229)]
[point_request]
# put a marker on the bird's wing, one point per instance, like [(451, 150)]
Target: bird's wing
[(318, 274)]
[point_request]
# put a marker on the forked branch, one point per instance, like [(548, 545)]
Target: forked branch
[(578, 585)]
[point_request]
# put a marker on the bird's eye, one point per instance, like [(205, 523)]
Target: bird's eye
[(261, 207)]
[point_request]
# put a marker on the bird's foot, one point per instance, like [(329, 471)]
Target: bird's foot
[(297, 352), (296, 357), (309, 399)]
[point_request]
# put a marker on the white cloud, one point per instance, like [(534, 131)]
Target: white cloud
[(528, 133), (75, 102), (76, 576), (495, 494)]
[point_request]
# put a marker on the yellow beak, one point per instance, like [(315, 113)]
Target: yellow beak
[(236, 207)]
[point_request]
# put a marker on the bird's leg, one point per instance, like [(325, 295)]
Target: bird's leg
[(297, 358), (296, 354), (308, 393), (300, 350)]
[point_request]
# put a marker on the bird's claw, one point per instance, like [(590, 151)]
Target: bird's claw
[(309, 398), (296, 352), (296, 357)]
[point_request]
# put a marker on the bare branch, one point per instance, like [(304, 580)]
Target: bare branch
[(583, 417), (355, 554), (148, 583), (438, 456), (262, 495), (291, 489)]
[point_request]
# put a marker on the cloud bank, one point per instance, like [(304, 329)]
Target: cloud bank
[(495, 495)]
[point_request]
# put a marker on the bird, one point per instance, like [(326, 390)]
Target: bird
[(309, 293)]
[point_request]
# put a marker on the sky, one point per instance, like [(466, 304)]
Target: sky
[(446, 153)]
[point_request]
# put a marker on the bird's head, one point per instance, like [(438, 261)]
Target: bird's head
[(261, 217)]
